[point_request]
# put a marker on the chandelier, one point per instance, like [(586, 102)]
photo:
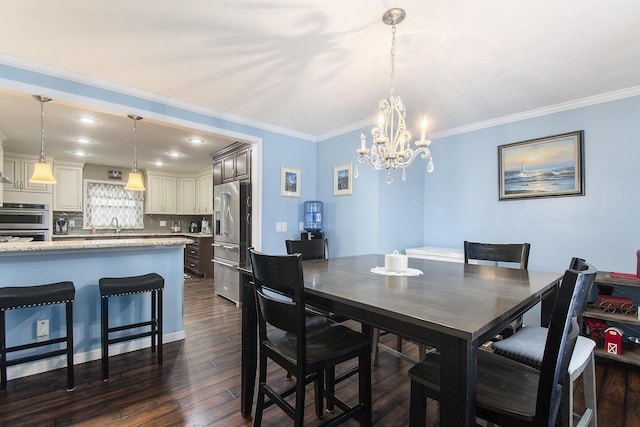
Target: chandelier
[(391, 146)]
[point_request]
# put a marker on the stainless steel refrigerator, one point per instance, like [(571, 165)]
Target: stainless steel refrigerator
[(231, 236)]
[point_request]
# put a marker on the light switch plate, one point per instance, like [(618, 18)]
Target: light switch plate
[(42, 328)]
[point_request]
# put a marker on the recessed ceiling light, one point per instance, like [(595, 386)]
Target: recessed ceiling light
[(158, 163), (82, 140), (196, 140), (174, 154), (88, 120), (79, 153)]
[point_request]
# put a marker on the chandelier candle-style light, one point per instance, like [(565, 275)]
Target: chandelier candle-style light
[(42, 173), (391, 146), (134, 183)]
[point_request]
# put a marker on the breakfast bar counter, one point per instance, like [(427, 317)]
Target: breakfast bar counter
[(15, 248), (84, 262)]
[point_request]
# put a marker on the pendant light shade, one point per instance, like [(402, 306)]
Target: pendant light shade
[(134, 183), (42, 173)]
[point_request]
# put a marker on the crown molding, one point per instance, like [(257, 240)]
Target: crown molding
[(149, 96)]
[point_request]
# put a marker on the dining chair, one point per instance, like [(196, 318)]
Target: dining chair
[(308, 347), (517, 253), (319, 249), (513, 393), (500, 254), (527, 346), (309, 249)]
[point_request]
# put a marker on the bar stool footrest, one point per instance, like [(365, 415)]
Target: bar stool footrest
[(132, 326), (131, 337), (36, 344), (35, 357)]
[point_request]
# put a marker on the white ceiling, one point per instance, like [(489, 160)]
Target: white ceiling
[(313, 68)]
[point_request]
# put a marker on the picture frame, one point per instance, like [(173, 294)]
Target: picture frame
[(343, 179), (290, 181), (552, 166)]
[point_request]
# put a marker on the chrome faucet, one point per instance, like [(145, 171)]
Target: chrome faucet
[(117, 229)]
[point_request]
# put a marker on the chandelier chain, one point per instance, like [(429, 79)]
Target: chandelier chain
[(393, 60)]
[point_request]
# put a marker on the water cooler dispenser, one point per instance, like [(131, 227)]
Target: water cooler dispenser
[(312, 220)]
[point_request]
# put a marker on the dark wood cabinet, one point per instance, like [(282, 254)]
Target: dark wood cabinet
[(197, 257), (236, 166), (217, 172), (232, 164), (243, 164)]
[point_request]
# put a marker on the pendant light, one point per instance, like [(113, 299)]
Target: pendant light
[(42, 173), (135, 178)]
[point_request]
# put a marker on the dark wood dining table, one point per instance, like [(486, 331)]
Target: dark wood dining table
[(455, 306)]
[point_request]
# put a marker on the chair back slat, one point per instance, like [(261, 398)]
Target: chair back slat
[(498, 252), (309, 249), (277, 312), (561, 339)]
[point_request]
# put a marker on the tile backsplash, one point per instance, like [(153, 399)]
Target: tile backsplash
[(151, 222)]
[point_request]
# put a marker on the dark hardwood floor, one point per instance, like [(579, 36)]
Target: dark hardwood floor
[(199, 383)]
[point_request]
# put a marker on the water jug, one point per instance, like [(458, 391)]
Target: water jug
[(313, 215)]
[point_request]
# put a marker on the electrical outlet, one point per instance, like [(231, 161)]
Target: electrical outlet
[(42, 328), (284, 227), (163, 223), (72, 223)]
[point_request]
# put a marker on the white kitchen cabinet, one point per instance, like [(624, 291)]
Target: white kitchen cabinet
[(204, 194), (161, 194), (67, 193), (186, 195), (18, 168)]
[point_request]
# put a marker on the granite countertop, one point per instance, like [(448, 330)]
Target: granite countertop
[(127, 235), (70, 245)]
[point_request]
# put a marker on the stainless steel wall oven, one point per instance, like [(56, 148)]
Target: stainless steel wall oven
[(24, 221)]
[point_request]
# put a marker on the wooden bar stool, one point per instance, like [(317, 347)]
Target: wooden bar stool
[(13, 298), (121, 286)]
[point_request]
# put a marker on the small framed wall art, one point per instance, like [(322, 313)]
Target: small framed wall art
[(342, 179), (543, 167), (290, 181)]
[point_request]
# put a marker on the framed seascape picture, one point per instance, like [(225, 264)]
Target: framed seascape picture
[(342, 180), (544, 167), (289, 181)]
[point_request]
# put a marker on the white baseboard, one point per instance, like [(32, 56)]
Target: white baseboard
[(58, 362)]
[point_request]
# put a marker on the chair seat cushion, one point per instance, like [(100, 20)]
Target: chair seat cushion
[(326, 340), (25, 296), (527, 346), (504, 385), (111, 286)]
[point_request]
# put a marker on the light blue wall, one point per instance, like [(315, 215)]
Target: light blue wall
[(285, 151), (378, 217), (461, 199)]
